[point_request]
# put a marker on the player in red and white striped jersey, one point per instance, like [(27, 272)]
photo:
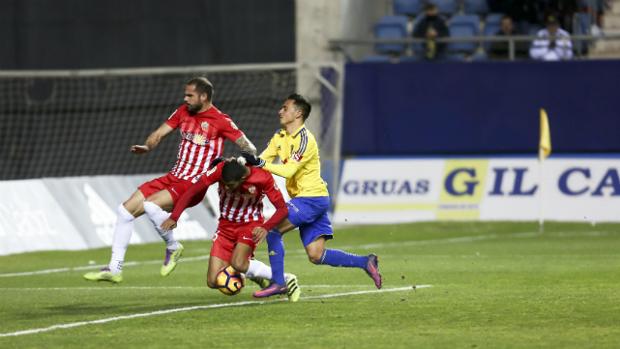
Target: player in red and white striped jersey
[(241, 191), (203, 130)]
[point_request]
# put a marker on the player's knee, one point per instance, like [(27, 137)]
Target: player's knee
[(211, 281), (240, 264), (124, 213), (315, 256)]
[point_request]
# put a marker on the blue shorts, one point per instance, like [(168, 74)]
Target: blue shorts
[(310, 215)]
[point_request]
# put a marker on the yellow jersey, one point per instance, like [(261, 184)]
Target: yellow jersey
[(300, 163)]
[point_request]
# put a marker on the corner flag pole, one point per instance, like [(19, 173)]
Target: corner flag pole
[(544, 150)]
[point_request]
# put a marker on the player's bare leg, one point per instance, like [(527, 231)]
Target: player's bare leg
[(126, 213), (157, 207), (216, 264)]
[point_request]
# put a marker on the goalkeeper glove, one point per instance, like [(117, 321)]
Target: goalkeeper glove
[(253, 159), (216, 161)]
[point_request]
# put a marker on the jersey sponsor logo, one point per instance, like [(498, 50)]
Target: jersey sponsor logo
[(196, 138), (204, 126)]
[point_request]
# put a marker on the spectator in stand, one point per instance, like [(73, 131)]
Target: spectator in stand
[(431, 27), (501, 49), (552, 43)]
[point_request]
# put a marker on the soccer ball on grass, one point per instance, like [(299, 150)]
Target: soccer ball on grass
[(229, 281)]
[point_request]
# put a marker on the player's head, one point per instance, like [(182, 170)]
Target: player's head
[(198, 94), (233, 174), (295, 109)]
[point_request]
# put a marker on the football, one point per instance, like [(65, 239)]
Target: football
[(229, 281)]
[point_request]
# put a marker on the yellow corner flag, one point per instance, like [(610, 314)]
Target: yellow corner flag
[(544, 147)]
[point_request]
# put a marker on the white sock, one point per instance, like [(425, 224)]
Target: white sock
[(157, 217), (120, 241), (258, 269)]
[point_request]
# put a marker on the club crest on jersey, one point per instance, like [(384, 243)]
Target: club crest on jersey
[(252, 189), (200, 139), (204, 125)]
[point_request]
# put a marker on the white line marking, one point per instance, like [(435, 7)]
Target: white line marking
[(462, 239), (197, 307), (125, 288), (90, 267)]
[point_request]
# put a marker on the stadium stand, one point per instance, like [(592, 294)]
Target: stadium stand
[(391, 27), (478, 7), (408, 7), (447, 7), (463, 26)]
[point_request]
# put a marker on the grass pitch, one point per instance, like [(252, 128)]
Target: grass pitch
[(494, 285)]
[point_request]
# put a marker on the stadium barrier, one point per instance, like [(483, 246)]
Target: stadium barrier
[(397, 190), (78, 213)]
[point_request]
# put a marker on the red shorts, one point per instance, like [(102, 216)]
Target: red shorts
[(175, 186), (229, 234)]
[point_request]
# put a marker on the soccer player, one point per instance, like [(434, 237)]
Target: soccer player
[(241, 190), (307, 210), (203, 129)]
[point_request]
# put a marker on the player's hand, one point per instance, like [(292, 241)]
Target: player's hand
[(253, 159), (168, 224), (258, 234), (139, 149)]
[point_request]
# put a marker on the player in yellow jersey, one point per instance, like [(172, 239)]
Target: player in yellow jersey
[(298, 152)]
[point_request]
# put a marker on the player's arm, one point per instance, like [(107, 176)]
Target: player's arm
[(194, 193), (300, 158), (276, 198), (271, 152), (246, 145), (152, 140)]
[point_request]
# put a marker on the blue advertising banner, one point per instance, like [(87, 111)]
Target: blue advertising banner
[(482, 107)]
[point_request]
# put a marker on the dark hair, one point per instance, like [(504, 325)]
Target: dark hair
[(202, 85), (301, 104), (232, 171)]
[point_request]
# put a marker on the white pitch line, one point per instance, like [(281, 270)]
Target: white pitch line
[(463, 239), (456, 240), (90, 267), (192, 308), (124, 288)]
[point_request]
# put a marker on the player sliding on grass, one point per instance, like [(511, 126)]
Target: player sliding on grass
[(203, 130), (241, 190), (299, 154)]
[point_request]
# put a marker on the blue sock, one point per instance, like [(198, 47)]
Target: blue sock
[(338, 258), (275, 246)]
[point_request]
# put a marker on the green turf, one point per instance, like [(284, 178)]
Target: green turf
[(494, 285)]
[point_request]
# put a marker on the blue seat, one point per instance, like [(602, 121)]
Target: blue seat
[(476, 7), (391, 27), (492, 24), (408, 7), (463, 26), (446, 7)]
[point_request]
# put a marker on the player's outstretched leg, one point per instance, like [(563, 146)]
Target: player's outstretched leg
[(259, 273), (338, 258), (120, 241), (275, 247), (174, 249)]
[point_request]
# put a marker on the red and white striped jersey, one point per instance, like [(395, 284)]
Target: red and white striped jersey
[(244, 204), (202, 139)]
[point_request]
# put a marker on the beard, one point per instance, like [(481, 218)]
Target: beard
[(194, 108)]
